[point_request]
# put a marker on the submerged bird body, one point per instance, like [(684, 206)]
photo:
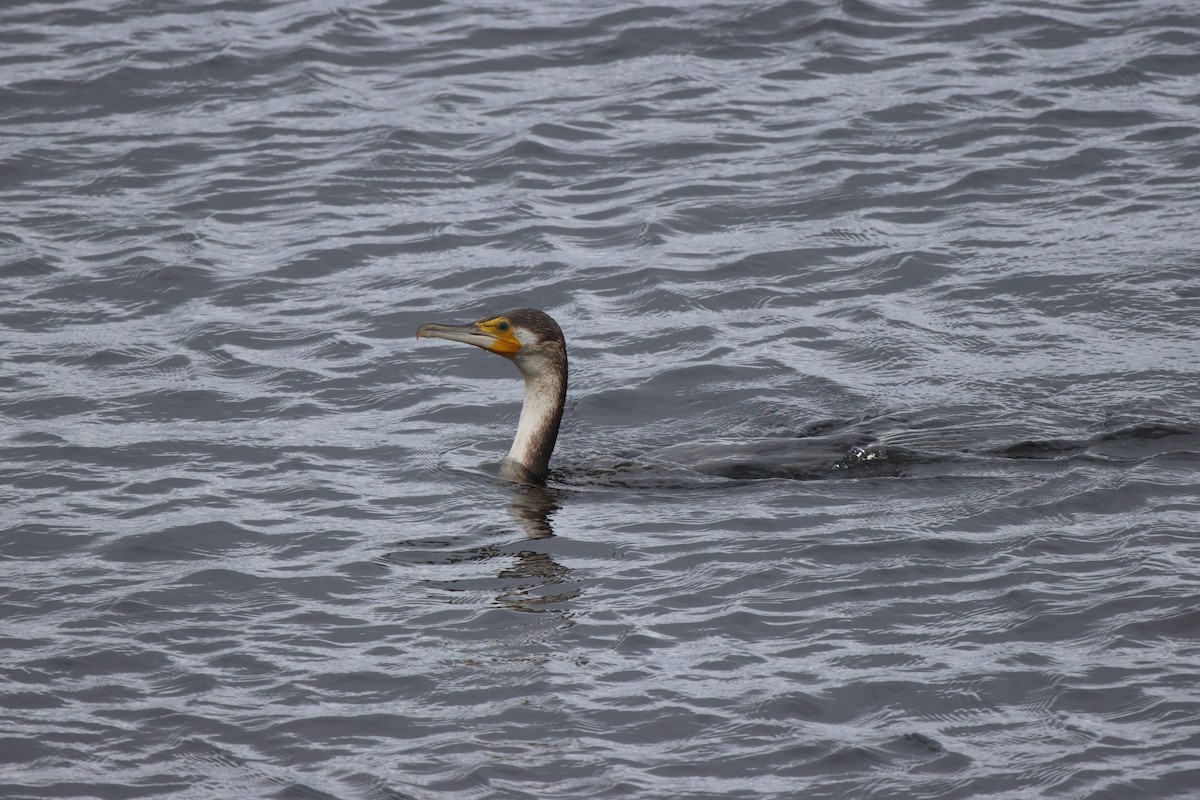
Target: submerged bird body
[(533, 341)]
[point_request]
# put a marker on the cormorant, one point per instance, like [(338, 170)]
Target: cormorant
[(532, 340)]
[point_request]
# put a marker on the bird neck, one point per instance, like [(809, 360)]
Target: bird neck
[(541, 413)]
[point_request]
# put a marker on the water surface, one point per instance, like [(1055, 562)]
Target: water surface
[(253, 542)]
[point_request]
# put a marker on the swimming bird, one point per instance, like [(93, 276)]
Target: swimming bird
[(532, 340)]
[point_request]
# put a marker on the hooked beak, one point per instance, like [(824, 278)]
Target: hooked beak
[(474, 333)]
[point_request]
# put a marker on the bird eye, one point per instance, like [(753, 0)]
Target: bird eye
[(503, 326)]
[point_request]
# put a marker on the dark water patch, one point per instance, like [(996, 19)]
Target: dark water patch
[(31, 267), (184, 543), (145, 287), (40, 541), (190, 404), (1130, 444), (48, 407)]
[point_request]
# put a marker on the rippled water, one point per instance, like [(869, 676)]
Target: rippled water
[(253, 542)]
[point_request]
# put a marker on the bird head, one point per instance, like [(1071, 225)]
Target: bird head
[(524, 335)]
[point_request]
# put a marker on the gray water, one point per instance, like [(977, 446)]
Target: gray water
[(253, 541)]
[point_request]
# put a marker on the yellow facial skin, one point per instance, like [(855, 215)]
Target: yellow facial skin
[(504, 342), (495, 335)]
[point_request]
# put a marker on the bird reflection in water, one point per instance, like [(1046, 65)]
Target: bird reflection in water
[(539, 580), (531, 580)]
